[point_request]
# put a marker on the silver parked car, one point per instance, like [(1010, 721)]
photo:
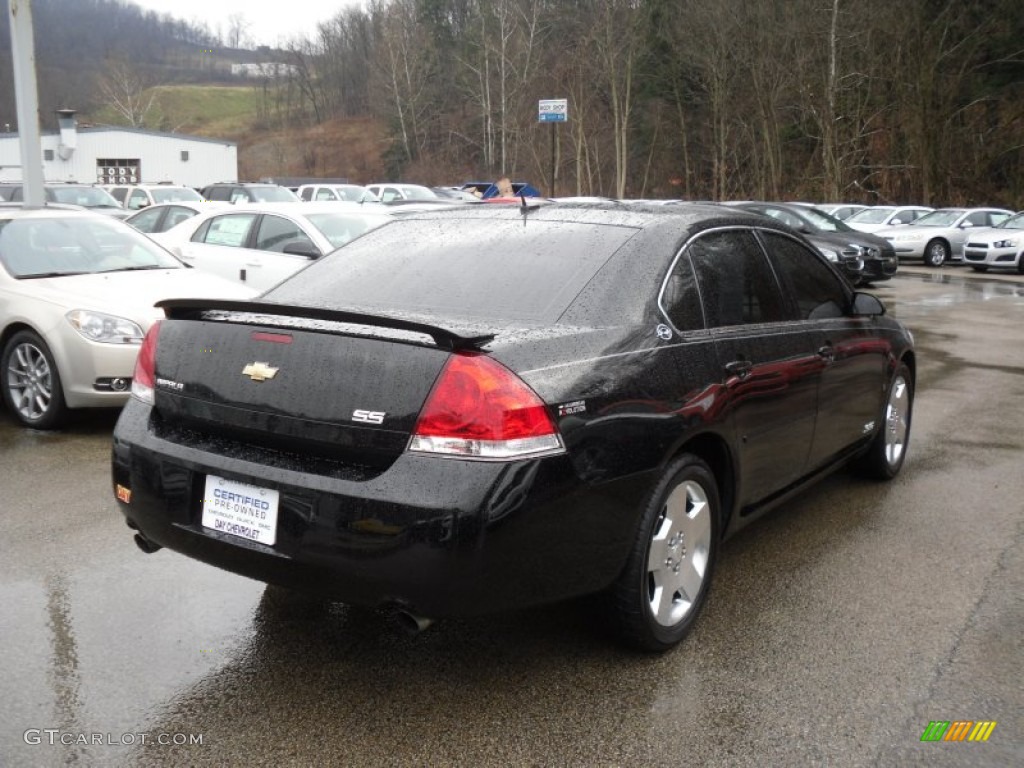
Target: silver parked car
[(940, 235), (77, 291), (883, 216), (1001, 247)]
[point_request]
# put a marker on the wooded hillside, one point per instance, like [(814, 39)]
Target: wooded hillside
[(921, 101)]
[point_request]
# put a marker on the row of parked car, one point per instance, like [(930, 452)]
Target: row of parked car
[(983, 238)]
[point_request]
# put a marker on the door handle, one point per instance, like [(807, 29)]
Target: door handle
[(827, 353), (739, 368)]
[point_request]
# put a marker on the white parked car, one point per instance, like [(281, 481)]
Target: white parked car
[(163, 216), (350, 193), (260, 244), (77, 291), (940, 235), (137, 196), (841, 211), (885, 216), (1001, 247), (389, 193)]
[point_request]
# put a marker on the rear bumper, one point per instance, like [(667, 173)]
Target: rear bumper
[(441, 537)]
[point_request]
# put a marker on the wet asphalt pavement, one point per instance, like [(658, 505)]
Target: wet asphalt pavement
[(837, 627)]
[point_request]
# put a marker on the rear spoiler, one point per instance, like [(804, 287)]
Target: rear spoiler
[(182, 309)]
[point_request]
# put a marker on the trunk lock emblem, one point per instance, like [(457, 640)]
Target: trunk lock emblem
[(258, 371)]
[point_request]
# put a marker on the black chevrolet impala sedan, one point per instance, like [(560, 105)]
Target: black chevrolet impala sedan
[(469, 411)]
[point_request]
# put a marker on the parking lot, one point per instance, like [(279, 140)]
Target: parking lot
[(837, 629)]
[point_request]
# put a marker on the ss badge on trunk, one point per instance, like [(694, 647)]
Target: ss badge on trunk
[(368, 417)]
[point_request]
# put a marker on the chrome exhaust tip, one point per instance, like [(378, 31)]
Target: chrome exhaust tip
[(145, 544), (412, 623)]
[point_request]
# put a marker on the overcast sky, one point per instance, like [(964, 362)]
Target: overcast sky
[(270, 21)]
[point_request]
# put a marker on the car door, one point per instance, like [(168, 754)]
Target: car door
[(218, 246), (269, 264), (853, 354), (768, 362)]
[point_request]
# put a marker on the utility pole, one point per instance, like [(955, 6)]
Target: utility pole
[(23, 54)]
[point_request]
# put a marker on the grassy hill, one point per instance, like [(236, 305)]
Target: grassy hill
[(223, 111), (349, 148)]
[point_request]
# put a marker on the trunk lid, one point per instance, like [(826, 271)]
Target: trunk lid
[(347, 398)]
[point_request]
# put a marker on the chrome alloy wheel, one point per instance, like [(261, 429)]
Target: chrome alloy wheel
[(679, 553), (896, 420), (30, 381)]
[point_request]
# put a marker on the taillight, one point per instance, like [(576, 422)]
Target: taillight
[(145, 366), (478, 408)]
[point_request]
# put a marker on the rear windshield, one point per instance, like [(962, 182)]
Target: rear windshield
[(475, 269)]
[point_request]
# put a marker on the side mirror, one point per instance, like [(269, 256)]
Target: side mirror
[(966, 225), (866, 305), (302, 248), (896, 222)]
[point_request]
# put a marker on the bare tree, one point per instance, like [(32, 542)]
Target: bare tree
[(124, 89), (238, 30)]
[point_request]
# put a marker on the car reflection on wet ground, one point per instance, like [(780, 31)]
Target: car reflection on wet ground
[(838, 627)]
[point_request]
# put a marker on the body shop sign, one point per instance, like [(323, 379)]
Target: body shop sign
[(118, 171)]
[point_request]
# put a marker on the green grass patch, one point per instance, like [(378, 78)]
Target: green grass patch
[(202, 110)]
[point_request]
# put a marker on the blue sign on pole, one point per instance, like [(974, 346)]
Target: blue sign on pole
[(553, 111)]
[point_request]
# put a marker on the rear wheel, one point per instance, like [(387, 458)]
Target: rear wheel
[(889, 448), (936, 253), (30, 383), (665, 583), (1020, 263)]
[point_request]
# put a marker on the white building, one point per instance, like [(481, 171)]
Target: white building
[(115, 155), (270, 69)]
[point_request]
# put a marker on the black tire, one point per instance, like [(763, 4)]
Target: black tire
[(979, 269), (1020, 263), (30, 382), (936, 253), (685, 551), (888, 450)]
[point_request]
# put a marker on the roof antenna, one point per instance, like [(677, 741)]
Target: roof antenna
[(523, 207)]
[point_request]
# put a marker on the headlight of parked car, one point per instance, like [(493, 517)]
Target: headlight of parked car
[(829, 254), (96, 326), (1004, 244)]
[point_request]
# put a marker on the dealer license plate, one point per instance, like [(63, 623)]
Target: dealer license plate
[(240, 509)]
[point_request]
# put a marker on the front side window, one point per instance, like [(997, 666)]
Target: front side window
[(818, 291), (137, 200), (737, 286), (146, 221), (276, 232)]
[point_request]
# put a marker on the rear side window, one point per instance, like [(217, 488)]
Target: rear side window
[(469, 268), (737, 285), (680, 299), (232, 230), (818, 292)]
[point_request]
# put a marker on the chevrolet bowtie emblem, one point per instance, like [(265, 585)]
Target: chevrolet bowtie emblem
[(259, 371)]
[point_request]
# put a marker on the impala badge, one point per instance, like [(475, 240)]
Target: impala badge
[(259, 371)]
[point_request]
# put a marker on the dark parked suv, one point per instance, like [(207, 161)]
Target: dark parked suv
[(248, 192), (832, 236), (489, 407)]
